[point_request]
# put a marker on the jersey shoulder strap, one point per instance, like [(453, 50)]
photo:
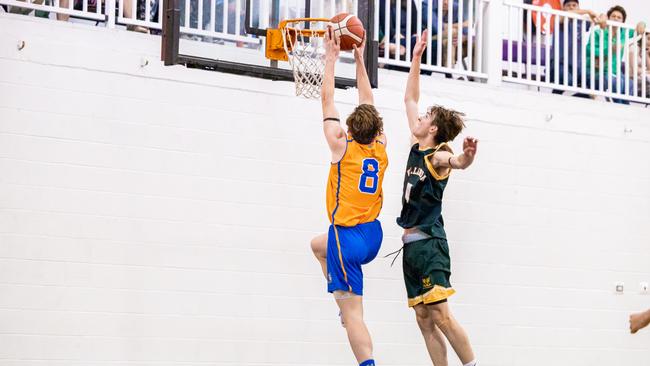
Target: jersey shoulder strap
[(427, 160)]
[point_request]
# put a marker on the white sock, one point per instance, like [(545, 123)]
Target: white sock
[(471, 363)]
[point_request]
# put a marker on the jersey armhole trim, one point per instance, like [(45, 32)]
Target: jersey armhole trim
[(344, 152), (432, 170)]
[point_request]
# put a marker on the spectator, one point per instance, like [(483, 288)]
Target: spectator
[(635, 57), (140, 13), (218, 25), (571, 6), (456, 26), (445, 15), (232, 17), (614, 41), (92, 6), (26, 11), (639, 321), (397, 44)]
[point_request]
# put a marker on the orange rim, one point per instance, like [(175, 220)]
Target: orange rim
[(304, 32), (275, 49)]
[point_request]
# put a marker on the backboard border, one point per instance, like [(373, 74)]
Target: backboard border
[(171, 38)]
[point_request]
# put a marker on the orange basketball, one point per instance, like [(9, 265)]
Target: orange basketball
[(348, 29)]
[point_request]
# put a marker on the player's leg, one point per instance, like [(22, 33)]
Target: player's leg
[(433, 337), (319, 248), (427, 283), (436, 269), (351, 306), (347, 247), (453, 331)]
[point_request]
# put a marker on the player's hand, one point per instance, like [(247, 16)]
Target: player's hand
[(420, 45), (638, 321), (332, 47), (358, 50), (469, 146)]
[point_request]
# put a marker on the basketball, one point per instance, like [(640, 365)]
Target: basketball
[(348, 29)]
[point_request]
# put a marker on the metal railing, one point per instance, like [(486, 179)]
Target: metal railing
[(454, 30), (568, 52), (86, 9), (516, 43), (207, 19)]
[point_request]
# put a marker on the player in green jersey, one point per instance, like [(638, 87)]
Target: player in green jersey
[(426, 262)]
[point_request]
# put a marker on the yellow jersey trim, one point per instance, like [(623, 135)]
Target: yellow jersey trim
[(437, 293), (432, 170)]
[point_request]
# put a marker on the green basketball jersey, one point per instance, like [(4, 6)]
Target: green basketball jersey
[(422, 193)]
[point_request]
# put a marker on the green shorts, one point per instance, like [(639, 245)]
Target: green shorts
[(427, 268)]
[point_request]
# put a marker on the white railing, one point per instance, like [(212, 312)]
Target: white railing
[(561, 54), (329, 8), (542, 47), (455, 34), (86, 9), (214, 19)]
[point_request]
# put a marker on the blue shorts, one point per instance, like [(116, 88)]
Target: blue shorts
[(347, 249)]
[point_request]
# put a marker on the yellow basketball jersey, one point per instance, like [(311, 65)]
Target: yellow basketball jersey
[(354, 194)]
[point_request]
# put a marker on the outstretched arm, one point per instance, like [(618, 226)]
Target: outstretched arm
[(363, 82), (334, 134), (412, 94), (445, 159), (639, 321)]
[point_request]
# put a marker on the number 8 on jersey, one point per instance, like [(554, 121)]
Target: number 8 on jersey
[(369, 179)]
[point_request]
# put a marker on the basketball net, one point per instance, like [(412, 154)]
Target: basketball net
[(306, 52)]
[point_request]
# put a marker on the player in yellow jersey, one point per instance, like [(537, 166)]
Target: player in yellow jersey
[(354, 198)]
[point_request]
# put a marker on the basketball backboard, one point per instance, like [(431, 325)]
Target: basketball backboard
[(237, 30)]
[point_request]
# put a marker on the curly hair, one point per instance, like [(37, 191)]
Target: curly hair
[(619, 9), (449, 122), (365, 124)]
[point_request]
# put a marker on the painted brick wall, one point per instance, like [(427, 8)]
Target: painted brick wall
[(162, 216)]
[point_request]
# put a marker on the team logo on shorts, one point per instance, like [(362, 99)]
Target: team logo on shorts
[(426, 282), (329, 277)]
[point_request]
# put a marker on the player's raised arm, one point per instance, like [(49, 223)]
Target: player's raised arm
[(445, 159), (412, 94), (334, 134), (363, 82)]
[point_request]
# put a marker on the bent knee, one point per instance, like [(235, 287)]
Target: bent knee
[(440, 317), (421, 312), (319, 246), (423, 316)]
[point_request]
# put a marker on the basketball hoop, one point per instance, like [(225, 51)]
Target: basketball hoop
[(302, 45)]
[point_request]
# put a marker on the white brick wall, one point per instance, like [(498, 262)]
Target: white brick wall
[(162, 216)]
